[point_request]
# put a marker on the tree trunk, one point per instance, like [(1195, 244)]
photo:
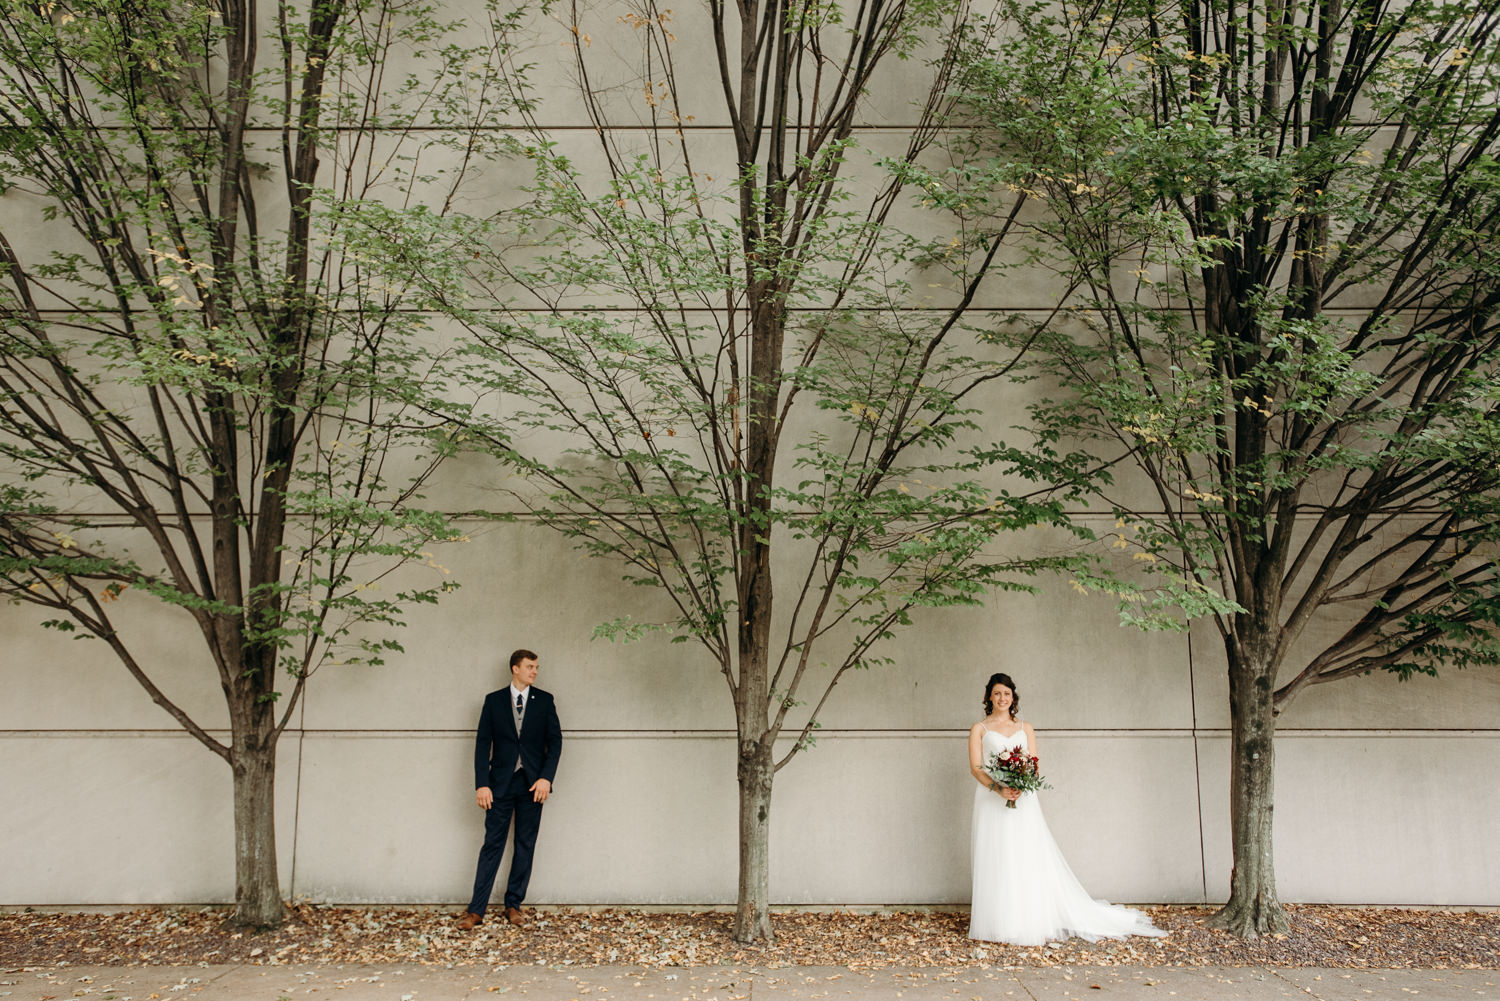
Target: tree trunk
[(752, 916), (257, 890), (1253, 908), (756, 592)]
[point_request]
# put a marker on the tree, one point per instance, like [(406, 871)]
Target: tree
[(208, 356), (731, 385), (1279, 222)]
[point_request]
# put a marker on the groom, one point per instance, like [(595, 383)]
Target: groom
[(515, 759)]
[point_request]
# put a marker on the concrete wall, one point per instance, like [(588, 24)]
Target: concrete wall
[(1385, 790)]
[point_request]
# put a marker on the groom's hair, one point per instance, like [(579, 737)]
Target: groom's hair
[(521, 655)]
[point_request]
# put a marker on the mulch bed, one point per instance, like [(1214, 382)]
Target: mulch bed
[(1321, 936)]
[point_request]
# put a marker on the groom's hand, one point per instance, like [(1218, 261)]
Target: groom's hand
[(484, 797), (540, 790)]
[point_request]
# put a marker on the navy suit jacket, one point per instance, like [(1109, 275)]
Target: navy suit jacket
[(496, 744)]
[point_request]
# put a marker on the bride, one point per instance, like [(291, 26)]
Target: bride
[(1024, 892)]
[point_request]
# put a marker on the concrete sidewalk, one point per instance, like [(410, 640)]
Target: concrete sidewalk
[(792, 983)]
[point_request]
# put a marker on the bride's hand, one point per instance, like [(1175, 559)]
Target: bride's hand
[(1009, 793)]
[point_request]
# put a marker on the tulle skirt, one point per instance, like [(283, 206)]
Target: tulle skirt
[(1024, 891)]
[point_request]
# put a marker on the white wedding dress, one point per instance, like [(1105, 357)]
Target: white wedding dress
[(1024, 892)]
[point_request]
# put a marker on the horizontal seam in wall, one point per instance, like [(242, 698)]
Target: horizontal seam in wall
[(585, 127), (467, 515), (824, 734), (1351, 311)]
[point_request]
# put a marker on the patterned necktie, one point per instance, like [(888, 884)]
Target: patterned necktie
[(520, 714)]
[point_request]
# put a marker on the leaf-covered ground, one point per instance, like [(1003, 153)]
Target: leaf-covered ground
[(1321, 936)]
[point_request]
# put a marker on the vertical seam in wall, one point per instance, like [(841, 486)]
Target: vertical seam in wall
[(297, 796), (1197, 769)]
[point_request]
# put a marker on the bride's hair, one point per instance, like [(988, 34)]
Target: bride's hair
[(989, 686)]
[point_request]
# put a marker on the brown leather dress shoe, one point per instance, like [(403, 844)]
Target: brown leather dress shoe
[(469, 920), (514, 916)]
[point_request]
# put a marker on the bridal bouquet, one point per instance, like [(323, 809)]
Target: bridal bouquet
[(1016, 769)]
